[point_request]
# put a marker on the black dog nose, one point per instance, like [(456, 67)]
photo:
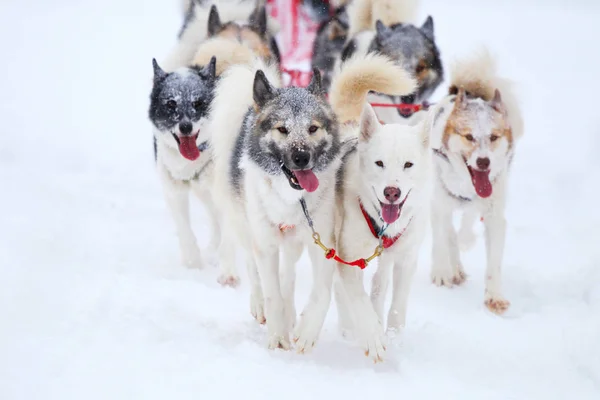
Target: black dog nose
[(483, 163), (301, 158), (391, 194), (185, 127)]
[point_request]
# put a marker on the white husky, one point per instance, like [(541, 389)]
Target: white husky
[(276, 148), (384, 193), (474, 133)]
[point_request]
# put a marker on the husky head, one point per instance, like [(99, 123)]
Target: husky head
[(254, 33), (416, 50), (394, 164), (329, 43), (294, 131), (480, 133), (179, 105)]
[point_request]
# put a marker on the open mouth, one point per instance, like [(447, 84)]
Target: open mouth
[(301, 179), (481, 182), (391, 212), (187, 146)]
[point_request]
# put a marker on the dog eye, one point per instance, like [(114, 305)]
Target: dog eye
[(408, 164), (469, 137), (197, 104), (379, 163), (172, 104), (313, 129), (493, 138), (283, 130)]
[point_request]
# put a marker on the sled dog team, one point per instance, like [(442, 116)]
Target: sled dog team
[(283, 169)]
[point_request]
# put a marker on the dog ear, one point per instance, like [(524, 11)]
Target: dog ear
[(214, 21), (461, 99), (349, 50), (427, 28), (497, 103), (315, 86), (274, 47), (210, 69), (258, 19), (337, 30), (368, 123), (159, 74), (382, 31), (262, 90)]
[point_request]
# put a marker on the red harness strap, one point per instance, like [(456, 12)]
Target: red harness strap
[(386, 240), (360, 263)]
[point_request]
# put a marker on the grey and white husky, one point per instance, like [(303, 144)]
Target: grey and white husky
[(179, 108)]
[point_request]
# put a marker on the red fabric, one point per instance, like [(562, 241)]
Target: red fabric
[(296, 37), (386, 240)]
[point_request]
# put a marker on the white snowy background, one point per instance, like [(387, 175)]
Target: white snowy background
[(94, 303)]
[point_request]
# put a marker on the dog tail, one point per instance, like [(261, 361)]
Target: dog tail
[(195, 28), (479, 77), (394, 11), (358, 76), (233, 99), (228, 52), (363, 14)]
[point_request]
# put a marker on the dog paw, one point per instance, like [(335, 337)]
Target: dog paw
[(496, 304), (374, 346), (257, 308), (459, 276), (279, 341), (306, 335), (441, 277), (229, 280), (191, 258)]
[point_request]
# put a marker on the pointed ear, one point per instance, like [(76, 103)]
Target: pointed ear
[(382, 30), (497, 103), (461, 99), (315, 86), (258, 19), (158, 71), (368, 123), (337, 30), (214, 21), (424, 132), (210, 69), (262, 90), (427, 28)]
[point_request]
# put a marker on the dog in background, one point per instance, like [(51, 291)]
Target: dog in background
[(475, 130), (387, 27), (246, 14), (329, 42)]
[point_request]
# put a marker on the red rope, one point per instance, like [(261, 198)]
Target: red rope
[(360, 263)]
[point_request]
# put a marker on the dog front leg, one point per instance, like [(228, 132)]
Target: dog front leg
[(367, 325), (404, 269), (292, 250), (380, 283), (313, 316), (177, 196), (213, 220), (495, 233), (267, 260), (442, 229)]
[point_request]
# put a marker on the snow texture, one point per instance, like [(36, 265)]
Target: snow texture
[(95, 304)]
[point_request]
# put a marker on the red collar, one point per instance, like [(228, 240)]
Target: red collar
[(386, 240)]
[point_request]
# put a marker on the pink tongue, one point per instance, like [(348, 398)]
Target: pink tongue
[(481, 181), (188, 147), (307, 179), (390, 212)]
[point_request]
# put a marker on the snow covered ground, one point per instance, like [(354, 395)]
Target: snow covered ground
[(94, 303)]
